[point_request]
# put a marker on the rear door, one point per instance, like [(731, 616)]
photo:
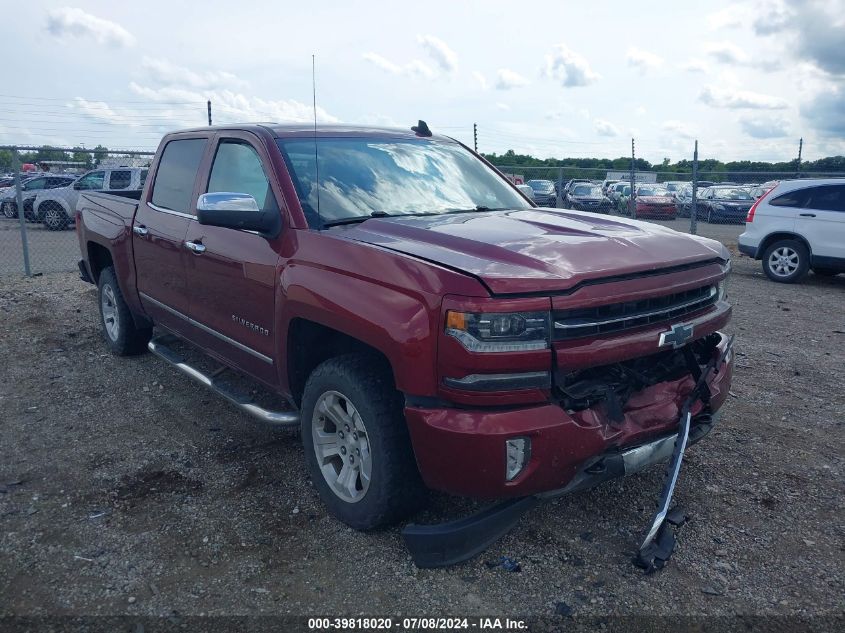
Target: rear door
[(158, 232), (232, 281), (822, 221)]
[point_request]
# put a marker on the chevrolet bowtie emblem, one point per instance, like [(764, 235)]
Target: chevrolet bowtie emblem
[(677, 336)]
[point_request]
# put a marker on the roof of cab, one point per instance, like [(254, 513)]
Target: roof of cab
[(293, 130)]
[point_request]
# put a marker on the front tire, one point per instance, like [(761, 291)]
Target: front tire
[(357, 448), (10, 210), (55, 218), (786, 261), (124, 338)]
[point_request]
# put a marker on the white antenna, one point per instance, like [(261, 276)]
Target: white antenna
[(316, 155)]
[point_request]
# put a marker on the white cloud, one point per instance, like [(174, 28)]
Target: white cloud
[(695, 65), (641, 111), (606, 128), (678, 129), (643, 60), (437, 49), (481, 79), (726, 53), (734, 99), (730, 17), (166, 73), (235, 106), (764, 126), (415, 68), (507, 79), (503, 106), (569, 68), (73, 22)]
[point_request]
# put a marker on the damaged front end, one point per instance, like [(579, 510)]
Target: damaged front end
[(604, 422)]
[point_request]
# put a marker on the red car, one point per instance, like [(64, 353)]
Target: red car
[(653, 202), (427, 325)]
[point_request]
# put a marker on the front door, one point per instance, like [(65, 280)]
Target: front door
[(232, 278), (158, 234)]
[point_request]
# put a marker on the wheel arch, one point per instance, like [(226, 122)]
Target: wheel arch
[(310, 343), (99, 258), (781, 235)]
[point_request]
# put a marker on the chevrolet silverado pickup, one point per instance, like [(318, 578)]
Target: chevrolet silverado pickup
[(424, 324)]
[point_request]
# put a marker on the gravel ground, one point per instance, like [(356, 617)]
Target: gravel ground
[(127, 489)]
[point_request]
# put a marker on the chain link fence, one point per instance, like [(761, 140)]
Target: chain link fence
[(45, 183), (716, 207), (39, 188)]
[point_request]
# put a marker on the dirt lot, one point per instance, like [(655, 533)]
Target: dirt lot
[(125, 488)]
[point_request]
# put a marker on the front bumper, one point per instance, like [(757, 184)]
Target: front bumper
[(462, 451)]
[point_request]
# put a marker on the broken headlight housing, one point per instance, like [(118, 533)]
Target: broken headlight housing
[(499, 331)]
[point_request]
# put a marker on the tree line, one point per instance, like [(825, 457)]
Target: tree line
[(12, 159), (830, 164)]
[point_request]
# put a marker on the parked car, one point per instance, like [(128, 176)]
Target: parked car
[(544, 192), (29, 190), (607, 184), (586, 197), (616, 191), (651, 201), (527, 191), (724, 204), (797, 226), (494, 350), (574, 181), (56, 207), (675, 186), (759, 190)]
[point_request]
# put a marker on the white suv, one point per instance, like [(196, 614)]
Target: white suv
[(797, 226)]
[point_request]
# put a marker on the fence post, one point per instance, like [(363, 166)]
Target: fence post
[(693, 215), (559, 201), (24, 242)]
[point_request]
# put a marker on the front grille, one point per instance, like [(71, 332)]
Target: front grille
[(617, 317)]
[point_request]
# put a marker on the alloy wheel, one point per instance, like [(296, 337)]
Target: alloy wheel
[(342, 446), (784, 261), (111, 318)]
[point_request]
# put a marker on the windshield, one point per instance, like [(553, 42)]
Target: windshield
[(541, 185), (652, 191), (360, 177), (733, 194), (586, 190), (673, 186)]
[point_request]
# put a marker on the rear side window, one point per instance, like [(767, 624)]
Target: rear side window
[(177, 170), (144, 173), (827, 198), (120, 179), (798, 198)]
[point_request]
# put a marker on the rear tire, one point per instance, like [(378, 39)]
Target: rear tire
[(9, 210), (124, 338), (357, 447), (786, 261)]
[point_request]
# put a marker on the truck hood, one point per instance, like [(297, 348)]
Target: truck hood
[(535, 250)]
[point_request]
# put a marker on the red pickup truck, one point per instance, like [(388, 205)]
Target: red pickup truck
[(426, 324)]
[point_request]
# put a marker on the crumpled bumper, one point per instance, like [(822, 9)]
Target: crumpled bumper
[(462, 451)]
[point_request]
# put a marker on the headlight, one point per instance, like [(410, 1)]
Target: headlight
[(499, 331)]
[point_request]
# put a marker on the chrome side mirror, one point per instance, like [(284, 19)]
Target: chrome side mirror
[(227, 201)]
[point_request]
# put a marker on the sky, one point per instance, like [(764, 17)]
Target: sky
[(746, 78)]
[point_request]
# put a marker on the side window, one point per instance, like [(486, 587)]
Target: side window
[(35, 184), (827, 198), (177, 170), (798, 198), (120, 179), (237, 169), (94, 180), (143, 177)]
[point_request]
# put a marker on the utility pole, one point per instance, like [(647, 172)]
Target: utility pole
[(631, 202), (800, 147), (209, 112), (693, 226), (475, 136)]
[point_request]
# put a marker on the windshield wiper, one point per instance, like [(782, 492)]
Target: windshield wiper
[(355, 220), (479, 207)]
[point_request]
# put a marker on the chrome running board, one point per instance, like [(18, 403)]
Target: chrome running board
[(160, 346)]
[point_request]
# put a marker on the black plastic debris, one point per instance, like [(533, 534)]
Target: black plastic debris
[(505, 562)]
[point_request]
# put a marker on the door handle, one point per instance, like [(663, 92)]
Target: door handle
[(807, 215), (196, 247), (141, 230)]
